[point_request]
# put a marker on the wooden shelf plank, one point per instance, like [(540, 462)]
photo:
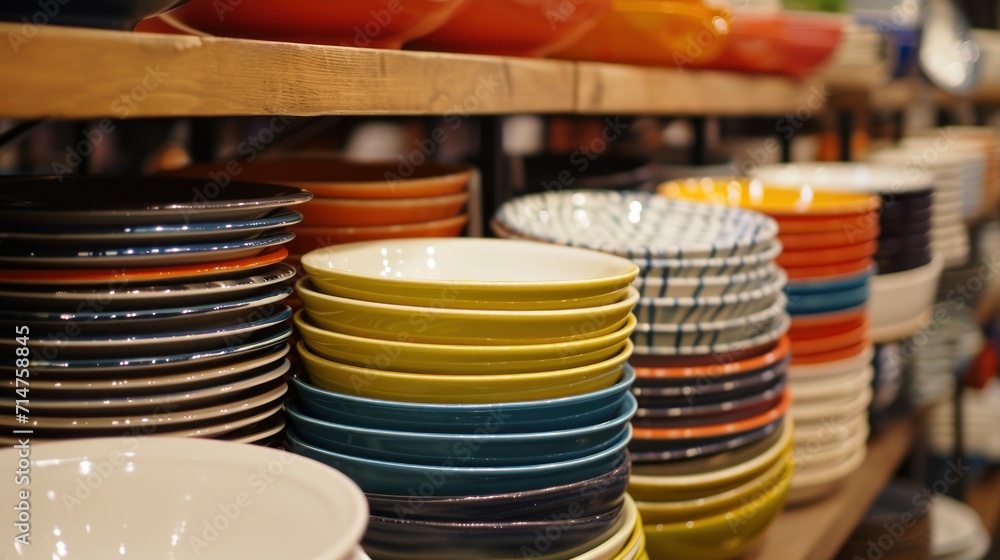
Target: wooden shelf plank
[(84, 73), (76, 73), (816, 531), (622, 89)]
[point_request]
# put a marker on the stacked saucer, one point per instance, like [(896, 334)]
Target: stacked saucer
[(710, 356), (474, 389), (977, 196), (144, 306)]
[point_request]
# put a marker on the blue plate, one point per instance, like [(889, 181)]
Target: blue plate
[(656, 451), (451, 478), (517, 417), (837, 284), (827, 302), (148, 321), (482, 449), (265, 339), (193, 232), (171, 255)]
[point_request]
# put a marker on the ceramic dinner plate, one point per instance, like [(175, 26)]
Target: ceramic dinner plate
[(183, 232), (125, 256), (638, 224), (123, 294), (122, 277), (95, 200), (643, 452)]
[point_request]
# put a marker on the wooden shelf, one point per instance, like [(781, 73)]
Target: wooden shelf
[(878, 95), (85, 73), (816, 531), (984, 497)]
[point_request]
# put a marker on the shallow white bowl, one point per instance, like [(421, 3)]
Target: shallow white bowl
[(806, 390), (185, 500), (839, 367), (903, 297), (849, 177)]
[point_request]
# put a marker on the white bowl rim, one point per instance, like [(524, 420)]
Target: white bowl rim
[(848, 177)]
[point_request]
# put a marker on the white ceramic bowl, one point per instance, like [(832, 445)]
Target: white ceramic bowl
[(759, 334), (849, 177), (711, 309), (811, 486), (725, 331), (469, 273), (651, 286), (839, 367), (833, 409), (183, 499), (903, 297), (659, 269), (832, 387)]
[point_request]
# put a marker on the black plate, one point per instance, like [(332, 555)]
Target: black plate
[(658, 451), (105, 14), (706, 389)]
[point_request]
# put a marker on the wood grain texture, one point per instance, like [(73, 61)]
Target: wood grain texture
[(816, 531), (621, 89), (65, 72)]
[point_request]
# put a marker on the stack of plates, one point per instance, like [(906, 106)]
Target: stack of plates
[(862, 51), (903, 291), (981, 140), (947, 352), (710, 357), (195, 499), (473, 379), (957, 531), (357, 201), (147, 306), (956, 173), (981, 413), (898, 526), (829, 241)]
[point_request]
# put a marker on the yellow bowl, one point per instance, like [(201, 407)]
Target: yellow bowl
[(622, 540), (772, 200), (434, 325), (660, 483), (683, 510), (461, 389), (411, 357), (722, 536), (638, 538), (471, 274)]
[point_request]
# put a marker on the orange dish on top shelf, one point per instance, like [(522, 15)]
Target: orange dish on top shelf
[(357, 23), (515, 27), (654, 32)]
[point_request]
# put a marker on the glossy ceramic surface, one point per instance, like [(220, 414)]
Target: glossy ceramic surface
[(341, 212), (827, 256), (686, 368), (310, 238), (757, 335), (827, 302), (188, 480), (437, 325), (462, 389), (848, 177), (704, 286), (708, 335), (771, 414), (517, 417), (861, 225), (816, 273), (470, 273), (709, 309), (783, 42), (660, 269), (667, 450), (638, 224), (902, 297), (758, 195)]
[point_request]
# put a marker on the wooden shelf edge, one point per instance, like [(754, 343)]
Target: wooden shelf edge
[(816, 531)]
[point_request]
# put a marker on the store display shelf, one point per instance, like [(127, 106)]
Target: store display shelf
[(816, 531), (62, 72), (873, 93)]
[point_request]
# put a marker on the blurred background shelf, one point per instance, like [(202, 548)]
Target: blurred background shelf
[(816, 531), (81, 73), (984, 497)]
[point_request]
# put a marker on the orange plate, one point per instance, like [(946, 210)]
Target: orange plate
[(690, 366), (311, 238), (120, 276), (515, 27), (335, 177), (342, 212), (825, 240), (824, 329), (832, 342), (832, 356), (827, 257), (654, 32), (352, 23), (825, 224), (823, 320), (784, 43), (839, 269), (713, 430)]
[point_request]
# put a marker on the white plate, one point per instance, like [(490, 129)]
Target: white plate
[(818, 481), (834, 387), (727, 331), (712, 309), (161, 495), (839, 367), (833, 409), (637, 224), (903, 297), (124, 295), (258, 431), (704, 286), (851, 177), (955, 527)]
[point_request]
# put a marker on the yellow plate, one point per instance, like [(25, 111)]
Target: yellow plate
[(772, 200), (647, 484), (462, 273), (677, 511), (411, 357), (722, 536), (461, 389), (434, 325)]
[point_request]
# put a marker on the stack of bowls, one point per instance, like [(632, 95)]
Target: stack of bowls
[(957, 173), (898, 526), (473, 379), (145, 305), (195, 499), (829, 241), (938, 364), (978, 197), (903, 290), (710, 353)]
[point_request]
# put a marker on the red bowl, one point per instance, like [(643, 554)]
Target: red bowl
[(515, 27), (356, 23), (791, 44)]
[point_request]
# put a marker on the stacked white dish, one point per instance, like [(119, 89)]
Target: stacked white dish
[(954, 342), (957, 531), (981, 413)]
